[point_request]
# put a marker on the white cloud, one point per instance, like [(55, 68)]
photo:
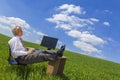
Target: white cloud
[(87, 48), (86, 37), (78, 28), (39, 33), (91, 38), (5, 27), (59, 43), (38, 41), (107, 11), (67, 9), (12, 21), (58, 17), (74, 33), (94, 19), (86, 41), (64, 26), (68, 22), (100, 56), (106, 23), (7, 23)]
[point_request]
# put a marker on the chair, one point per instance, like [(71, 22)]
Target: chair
[(13, 61)]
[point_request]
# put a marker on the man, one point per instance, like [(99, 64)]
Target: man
[(30, 55)]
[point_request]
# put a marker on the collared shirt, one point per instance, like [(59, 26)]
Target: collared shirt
[(16, 46)]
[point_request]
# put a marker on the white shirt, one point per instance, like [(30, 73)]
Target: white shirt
[(16, 46)]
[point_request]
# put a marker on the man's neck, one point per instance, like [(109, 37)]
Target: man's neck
[(18, 36)]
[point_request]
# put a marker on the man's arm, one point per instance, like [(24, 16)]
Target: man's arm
[(16, 47)]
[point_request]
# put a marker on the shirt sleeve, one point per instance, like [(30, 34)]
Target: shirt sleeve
[(17, 48)]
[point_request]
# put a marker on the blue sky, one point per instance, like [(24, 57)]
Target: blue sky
[(87, 27)]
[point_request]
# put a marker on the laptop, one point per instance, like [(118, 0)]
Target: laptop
[(49, 42)]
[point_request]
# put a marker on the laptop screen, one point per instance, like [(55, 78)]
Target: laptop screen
[(49, 42)]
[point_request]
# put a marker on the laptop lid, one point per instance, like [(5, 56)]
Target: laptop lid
[(49, 42)]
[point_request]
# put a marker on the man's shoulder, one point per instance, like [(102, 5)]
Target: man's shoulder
[(12, 39)]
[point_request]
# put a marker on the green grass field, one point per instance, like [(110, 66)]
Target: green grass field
[(78, 67)]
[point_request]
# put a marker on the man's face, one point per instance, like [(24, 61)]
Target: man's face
[(20, 32)]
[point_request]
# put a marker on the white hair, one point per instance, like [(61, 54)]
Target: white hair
[(15, 30)]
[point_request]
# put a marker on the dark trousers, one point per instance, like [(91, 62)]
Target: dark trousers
[(38, 56)]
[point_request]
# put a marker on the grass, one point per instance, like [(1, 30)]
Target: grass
[(78, 67)]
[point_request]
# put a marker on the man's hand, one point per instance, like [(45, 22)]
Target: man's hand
[(30, 50)]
